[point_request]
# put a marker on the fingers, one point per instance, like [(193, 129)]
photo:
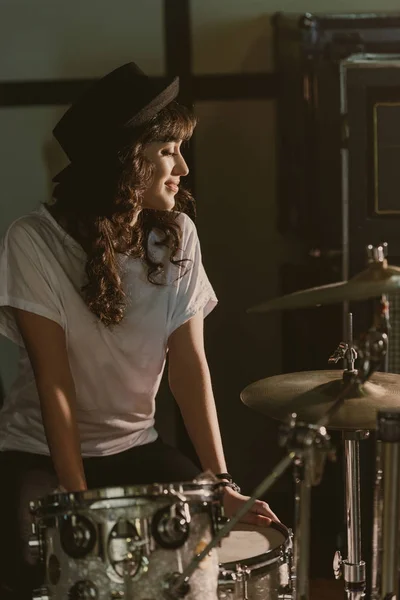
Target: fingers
[(259, 514), (255, 519), (262, 508)]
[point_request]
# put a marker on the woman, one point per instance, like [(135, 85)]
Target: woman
[(96, 289)]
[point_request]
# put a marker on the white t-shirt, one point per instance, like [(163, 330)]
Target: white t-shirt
[(117, 371)]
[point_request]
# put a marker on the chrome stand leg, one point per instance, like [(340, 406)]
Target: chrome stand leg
[(353, 568), (388, 432), (377, 525)]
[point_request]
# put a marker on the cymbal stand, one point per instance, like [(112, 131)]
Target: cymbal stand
[(352, 569), (371, 351)]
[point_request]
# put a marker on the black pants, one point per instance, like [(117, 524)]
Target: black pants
[(25, 477)]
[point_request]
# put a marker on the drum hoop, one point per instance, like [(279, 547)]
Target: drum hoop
[(261, 561), (171, 492)]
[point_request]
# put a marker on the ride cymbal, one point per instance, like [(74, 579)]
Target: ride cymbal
[(310, 394), (377, 279)]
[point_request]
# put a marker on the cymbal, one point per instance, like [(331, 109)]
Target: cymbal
[(377, 279), (310, 394)]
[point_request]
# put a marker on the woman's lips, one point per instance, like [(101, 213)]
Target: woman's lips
[(173, 187)]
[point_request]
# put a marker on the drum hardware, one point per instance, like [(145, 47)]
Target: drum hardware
[(36, 540), (377, 525), (385, 584), (54, 569), (373, 353), (285, 591), (352, 569), (170, 525), (227, 590), (346, 350), (218, 518), (41, 594), (308, 445), (77, 535), (176, 586), (125, 550), (241, 577), (285, 595), (35, 545), (84, 589)]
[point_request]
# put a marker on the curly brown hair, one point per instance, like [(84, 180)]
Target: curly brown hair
[(100, 205)]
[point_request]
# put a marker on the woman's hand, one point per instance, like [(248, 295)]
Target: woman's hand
[(259, 514)]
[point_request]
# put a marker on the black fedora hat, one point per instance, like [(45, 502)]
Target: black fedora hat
[(106, 116)]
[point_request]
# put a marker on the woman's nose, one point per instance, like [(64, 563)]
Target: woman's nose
[(181, 167)]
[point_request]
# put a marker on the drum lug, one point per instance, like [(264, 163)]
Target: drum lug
[(83, 589), (34, 546), (246, 577), (285, 593), (218, 518), (243, 574), (35, 543), (41, 594), (288, 559), (170, 589)]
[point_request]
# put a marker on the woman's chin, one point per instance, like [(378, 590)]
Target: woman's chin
[(161, 204)]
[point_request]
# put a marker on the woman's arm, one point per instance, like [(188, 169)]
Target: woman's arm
[(190, 383), (46, 347)]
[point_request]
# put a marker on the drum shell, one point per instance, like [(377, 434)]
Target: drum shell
[(261, 576), (138, 505)]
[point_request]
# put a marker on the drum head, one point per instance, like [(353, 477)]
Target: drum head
[(250, 544)]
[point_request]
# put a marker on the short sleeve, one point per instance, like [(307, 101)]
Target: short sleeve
[(26, 280), (192, 289)]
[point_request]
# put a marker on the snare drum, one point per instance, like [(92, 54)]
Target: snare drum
[(125, 542), (255, 563)]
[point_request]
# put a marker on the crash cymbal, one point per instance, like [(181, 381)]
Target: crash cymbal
[(311, 393), (377, 279)]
